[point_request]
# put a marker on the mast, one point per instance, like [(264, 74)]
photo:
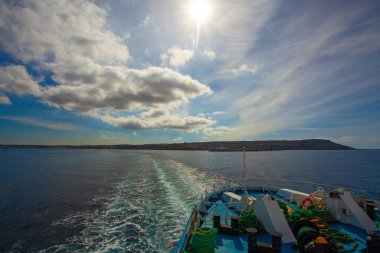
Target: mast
[(245, 199), (244, 172)]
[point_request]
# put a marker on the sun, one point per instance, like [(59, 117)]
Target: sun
[(200, 10)]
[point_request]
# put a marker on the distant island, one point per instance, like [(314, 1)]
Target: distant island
[(215, 146)]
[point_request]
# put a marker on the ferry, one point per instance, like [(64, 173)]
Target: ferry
[(273, 219)]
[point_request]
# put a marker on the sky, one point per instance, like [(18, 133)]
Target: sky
[(162, 71)]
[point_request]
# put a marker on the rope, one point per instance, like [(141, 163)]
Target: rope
[(322, 212), (203, 240), (248, 219), (341, 238), (283, 207), (304, 230)]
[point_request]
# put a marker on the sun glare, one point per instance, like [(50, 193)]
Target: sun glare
[(200, 10)]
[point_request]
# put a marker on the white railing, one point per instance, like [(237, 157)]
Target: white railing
[(301, 185), (266, 184)]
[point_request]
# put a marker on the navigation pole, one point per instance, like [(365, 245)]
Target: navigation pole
[(244, 172), (245, 198)]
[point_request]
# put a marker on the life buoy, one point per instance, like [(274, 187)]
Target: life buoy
[(306, 200)]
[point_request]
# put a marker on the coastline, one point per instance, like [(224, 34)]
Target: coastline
[(213, 146)]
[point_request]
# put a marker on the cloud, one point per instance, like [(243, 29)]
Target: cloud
[(346, 139), (233, 73), (108, 137), (215, 132), (305, 74), (179, 139), (154, 113), (118, 88), (148, 20), (42, 123), (14, 79), (218, 113), (176, 57), (243, 69), (72, 40), (4, 100), (358, 135), (208, 54), (59, 33), (170, 121)]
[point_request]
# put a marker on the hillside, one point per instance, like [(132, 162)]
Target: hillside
[(311, 144)]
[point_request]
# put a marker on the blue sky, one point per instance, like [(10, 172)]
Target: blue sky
[(111, 72)]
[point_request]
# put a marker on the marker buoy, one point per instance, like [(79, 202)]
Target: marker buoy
[(306, 200)]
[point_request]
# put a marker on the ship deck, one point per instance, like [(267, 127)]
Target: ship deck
[(239, 243)]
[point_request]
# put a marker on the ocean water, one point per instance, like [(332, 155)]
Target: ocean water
[(68, 200)]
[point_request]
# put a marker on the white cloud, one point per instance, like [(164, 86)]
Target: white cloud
[(208, 54), (108, 137), (148, 20), (171, 121), (218, 113), (118, 88), (179, 139), (59, 32), (4, 100), (215, 132), (72, 40), (14, 79), (309, 73), (42, 123), (176, 57), (346, 139), (233, 73), (243, 69)]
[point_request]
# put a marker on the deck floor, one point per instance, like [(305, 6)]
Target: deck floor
[(230, 243)]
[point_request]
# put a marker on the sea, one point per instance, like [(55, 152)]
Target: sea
[(93, 200)]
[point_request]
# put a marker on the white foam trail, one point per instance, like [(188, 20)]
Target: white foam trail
[(146, 213)]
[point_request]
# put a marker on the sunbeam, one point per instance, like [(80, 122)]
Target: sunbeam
[(200, 11)]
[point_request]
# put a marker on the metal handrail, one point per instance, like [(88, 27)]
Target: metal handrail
[(310, 184), (201, 200)]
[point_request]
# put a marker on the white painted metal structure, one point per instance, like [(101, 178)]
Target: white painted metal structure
[(344, 209), (292, 195), (238, 202), (271, 216)]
